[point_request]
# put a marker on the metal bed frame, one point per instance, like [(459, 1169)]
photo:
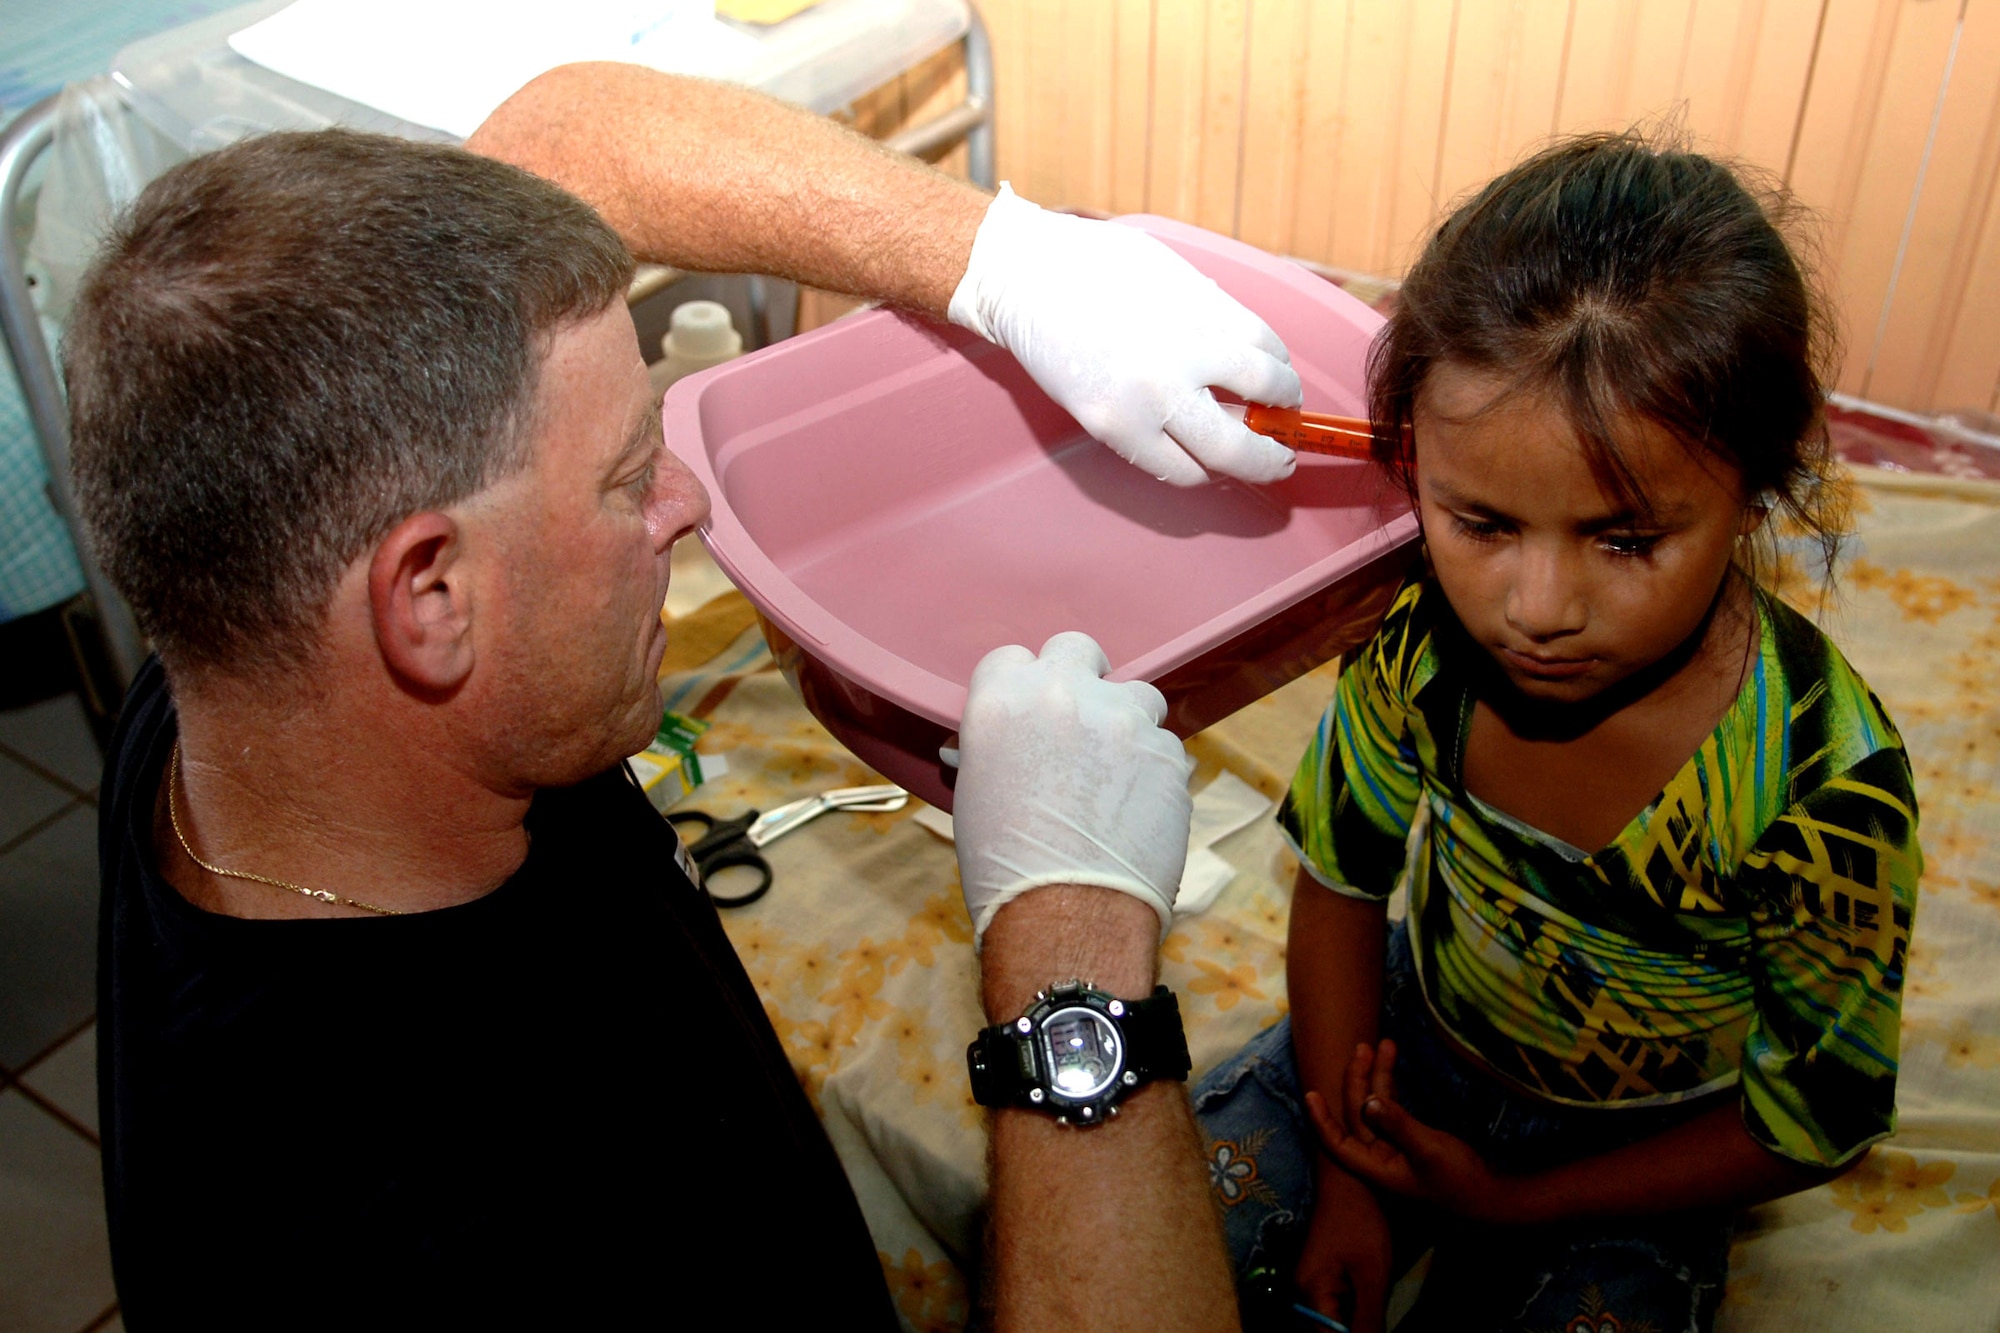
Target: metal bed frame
[(31, 134)]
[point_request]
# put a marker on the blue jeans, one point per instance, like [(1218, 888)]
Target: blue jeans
[(1663, 1273)]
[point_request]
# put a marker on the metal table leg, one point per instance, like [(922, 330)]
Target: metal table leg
[(23, 142), (970, 121), (979, 86)]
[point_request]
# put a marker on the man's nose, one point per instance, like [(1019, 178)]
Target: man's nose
[(679, 503), (1546, 599)]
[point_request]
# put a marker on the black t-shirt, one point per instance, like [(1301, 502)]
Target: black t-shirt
[(561, 1103)]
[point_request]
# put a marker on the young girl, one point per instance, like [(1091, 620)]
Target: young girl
[(1659, 838)]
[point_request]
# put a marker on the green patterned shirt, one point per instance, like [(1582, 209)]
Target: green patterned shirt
[(1751, 926)]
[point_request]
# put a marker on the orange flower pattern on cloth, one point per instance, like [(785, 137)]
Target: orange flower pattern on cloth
[(1969, 1202), (1229, 986), (1889, 1188), (1965, 1047), (932, 1296), (1922, 597)]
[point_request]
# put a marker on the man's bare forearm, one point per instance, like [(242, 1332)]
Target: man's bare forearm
[(1110, 1227), (710, 176)]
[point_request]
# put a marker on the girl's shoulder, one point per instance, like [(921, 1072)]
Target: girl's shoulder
[(1403, 653), (1806, 697)]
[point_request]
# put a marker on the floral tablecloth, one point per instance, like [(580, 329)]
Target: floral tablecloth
[(862, 950)]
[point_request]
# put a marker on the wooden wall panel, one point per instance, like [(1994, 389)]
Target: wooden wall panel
[(1079, 48), (1427, 64), (1771, 68), (1930, 283), (1059, 149), (1720, 43), (1131, 104), (1006, 30), (1969, 361), (1506, 83), (1328, 34), (1842, 93), (1870, 220), (1376, 161), (1173, 152), (1337, 129), (1274, 120), (1367, 108), (1198, 77), (1597, 69), (1225, 77)]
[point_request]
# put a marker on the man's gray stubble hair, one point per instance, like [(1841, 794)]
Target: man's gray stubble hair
[(288, 346)]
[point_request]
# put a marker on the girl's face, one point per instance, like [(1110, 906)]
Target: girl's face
[(1569, 590)]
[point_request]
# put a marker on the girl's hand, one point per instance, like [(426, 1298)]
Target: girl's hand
[(1393, 1150), (1344, 1267)]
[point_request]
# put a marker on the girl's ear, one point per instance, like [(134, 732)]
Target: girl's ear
[(1754, 515)]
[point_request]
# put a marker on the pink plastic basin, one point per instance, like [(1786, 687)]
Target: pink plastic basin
[(897, 497)]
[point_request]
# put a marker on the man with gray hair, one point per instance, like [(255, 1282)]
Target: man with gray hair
[(400, 1024)]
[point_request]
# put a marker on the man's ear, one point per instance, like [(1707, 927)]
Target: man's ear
[(420, 602)]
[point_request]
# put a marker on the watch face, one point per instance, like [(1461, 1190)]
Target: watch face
[(1085, 1052)]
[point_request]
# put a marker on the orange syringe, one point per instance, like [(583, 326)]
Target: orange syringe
[(1307, 432)]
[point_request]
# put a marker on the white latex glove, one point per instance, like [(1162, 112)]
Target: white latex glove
[(1128, 337), (1066, 778)]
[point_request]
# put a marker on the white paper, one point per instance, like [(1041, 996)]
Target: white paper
[(1220, 809), (1206, 876), (936, 820), (1224, 806), (449, 63)]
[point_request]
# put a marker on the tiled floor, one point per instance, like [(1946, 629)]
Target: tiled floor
[(55, 1271), (55, 1268)]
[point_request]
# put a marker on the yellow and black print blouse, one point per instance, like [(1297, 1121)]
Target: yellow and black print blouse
[(1751, 926)]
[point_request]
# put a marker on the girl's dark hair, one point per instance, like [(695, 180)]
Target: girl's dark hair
[(1622, 277)]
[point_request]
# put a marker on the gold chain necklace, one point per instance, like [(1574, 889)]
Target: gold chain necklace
[(322, 895)]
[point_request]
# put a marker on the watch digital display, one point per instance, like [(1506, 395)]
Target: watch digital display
[(1085, 1052)]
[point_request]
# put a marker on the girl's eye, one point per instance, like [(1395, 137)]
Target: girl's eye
[(1478, 529), (1630, 544)]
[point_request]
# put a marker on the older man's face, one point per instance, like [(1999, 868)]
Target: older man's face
[(586, 529)]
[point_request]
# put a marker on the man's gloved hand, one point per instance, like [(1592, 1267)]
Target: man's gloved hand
[(1066, 778), (1128, 337)]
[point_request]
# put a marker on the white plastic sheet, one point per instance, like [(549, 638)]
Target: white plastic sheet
[(448, 63)]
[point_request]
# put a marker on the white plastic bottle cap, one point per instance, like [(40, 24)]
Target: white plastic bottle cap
[(698, 336), (702, 330)]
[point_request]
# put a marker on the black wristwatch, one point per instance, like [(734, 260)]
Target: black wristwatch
[(1078, 1051)]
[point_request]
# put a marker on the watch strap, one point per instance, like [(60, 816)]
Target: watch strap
[(1155, 1040), (1002, 1065)]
